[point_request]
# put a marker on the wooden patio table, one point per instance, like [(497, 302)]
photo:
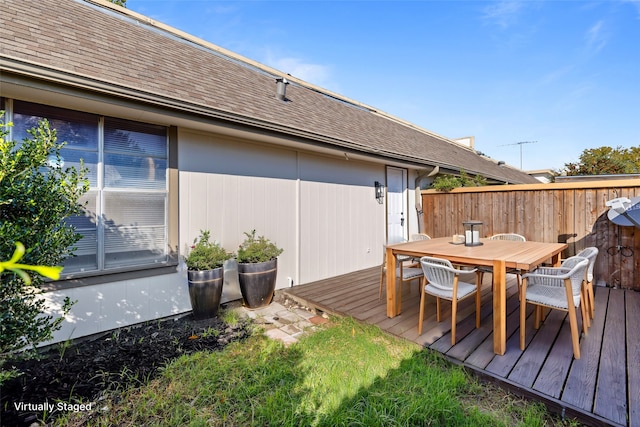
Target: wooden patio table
[(498, 254)]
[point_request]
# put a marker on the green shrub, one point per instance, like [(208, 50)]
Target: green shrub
[(257, 249), (205, 255), (35, 198), (447, 183)]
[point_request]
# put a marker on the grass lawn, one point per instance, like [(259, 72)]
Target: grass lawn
[(345, 374)]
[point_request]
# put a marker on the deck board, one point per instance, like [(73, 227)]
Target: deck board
[(612, 370), (633, 355), (551, 378), (530, 363), (601, 388), (483, 354), (580, 387)]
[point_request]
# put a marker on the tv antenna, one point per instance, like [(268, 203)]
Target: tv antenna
[(520, 144)]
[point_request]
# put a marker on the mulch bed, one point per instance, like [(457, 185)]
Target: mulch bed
[(80, 373)]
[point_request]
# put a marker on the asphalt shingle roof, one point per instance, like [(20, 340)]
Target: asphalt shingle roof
[(101, 45)]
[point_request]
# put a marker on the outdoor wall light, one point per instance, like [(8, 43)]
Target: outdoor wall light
[(379, 192), (472, 233)]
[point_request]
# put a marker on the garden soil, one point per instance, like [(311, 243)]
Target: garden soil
[(76, 376)]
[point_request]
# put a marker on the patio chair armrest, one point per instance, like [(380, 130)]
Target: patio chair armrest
[(461, 271)]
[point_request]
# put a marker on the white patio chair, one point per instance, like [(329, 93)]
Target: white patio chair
[(416, 237), (557, 288), (402, 259), (591, 253), (505, 236), (419, 236), (441, 281), (509, 236), (404, 274)]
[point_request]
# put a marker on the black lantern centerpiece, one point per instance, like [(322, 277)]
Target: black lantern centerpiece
[(472, 233)]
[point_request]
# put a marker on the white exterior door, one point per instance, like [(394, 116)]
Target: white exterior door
[(397, 215)]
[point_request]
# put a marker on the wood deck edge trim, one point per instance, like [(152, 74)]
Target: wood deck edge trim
[(312, 305)]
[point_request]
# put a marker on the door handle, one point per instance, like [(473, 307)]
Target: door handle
[(401, 219)]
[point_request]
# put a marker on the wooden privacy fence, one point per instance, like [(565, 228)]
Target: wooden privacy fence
[(573, 212)]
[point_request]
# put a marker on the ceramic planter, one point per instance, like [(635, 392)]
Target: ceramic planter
[(205, 292), (257, 282)]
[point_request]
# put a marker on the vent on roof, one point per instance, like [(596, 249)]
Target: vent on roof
[(281, 88)]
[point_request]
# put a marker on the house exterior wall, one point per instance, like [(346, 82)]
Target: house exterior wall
[(342, 226), (320, 209), (113, 305), (230, 187)]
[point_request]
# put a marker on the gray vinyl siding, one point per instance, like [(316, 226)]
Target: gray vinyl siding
[(321, 209)]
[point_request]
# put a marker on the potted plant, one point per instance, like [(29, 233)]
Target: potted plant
[(257, 269), (205, 274)]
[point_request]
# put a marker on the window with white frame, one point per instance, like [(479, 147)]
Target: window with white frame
[(125, 220)]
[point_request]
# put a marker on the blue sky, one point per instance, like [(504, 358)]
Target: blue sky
[(565, 74)]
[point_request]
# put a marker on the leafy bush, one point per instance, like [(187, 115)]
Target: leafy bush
[(257, 249), (35, 198), (205, 255), (605, 161), (447, 183)]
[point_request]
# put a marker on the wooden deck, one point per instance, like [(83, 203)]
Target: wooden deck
[(602, 388)]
